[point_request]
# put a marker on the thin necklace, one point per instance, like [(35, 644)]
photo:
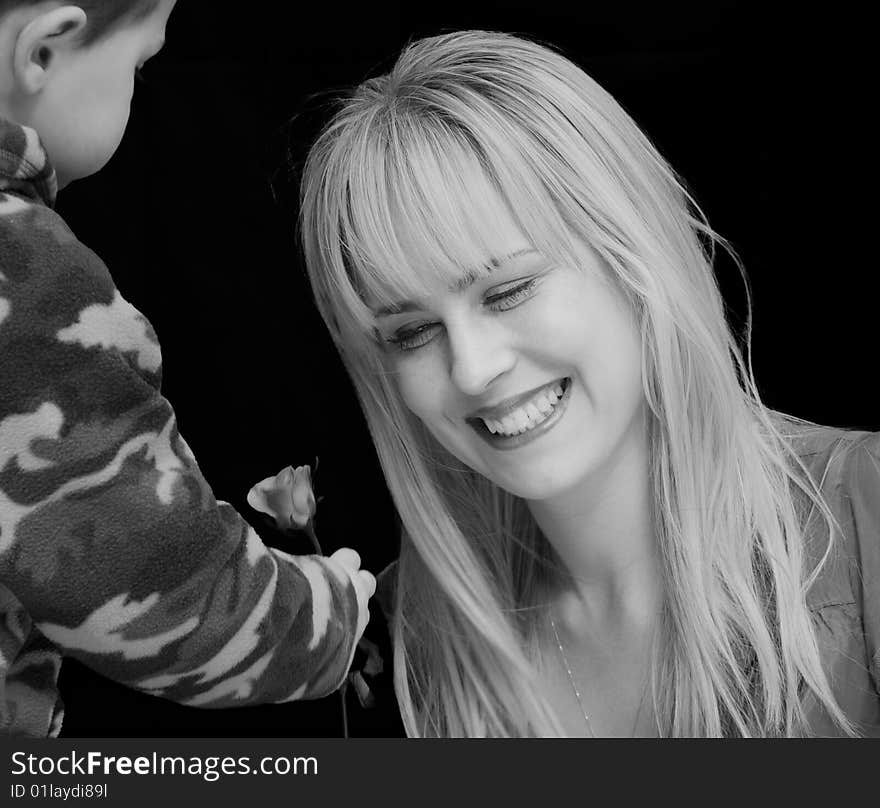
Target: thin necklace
[(574, 687)]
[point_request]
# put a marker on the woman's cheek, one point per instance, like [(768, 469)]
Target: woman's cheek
[(416, 390)]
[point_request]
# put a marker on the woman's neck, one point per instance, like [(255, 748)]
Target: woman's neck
[(603, 533)]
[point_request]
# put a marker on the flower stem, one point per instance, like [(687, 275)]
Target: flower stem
[(342, 692), (310, 532)]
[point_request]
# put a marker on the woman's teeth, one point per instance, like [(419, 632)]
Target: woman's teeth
[(529, 415)]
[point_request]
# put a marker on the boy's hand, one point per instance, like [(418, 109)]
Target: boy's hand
[(364, 583)]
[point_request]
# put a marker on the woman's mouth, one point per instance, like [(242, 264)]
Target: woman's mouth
[(529, 420)]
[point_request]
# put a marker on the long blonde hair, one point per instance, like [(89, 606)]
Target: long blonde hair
[(388, 195)]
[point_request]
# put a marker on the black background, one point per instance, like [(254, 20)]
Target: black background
[(195, 215)]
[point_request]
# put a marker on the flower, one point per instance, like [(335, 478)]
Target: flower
[(287, 497)]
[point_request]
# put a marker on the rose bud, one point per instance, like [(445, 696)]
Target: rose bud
[(287, 497)]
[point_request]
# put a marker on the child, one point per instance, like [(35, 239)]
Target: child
[(112, 547)]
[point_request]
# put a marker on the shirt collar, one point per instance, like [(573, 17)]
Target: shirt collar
[(24, 165)]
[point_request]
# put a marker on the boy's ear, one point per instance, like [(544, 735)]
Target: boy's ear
[(38, 42)]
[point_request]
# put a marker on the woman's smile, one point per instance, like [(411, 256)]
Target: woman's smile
[(530, 416)]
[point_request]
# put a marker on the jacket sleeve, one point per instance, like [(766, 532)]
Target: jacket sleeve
[(110, 536), (864, 502)]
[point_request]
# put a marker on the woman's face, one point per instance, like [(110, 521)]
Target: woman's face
[(531, 375)]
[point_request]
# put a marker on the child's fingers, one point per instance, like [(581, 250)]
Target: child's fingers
[(348, 558), (368, 582), (364, 586), (364, 582), (351, 560)]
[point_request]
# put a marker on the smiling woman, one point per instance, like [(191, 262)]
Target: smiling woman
[(605, 530)]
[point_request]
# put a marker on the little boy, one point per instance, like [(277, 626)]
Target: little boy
[(113, 549)]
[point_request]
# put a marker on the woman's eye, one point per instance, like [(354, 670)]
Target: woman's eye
[(512, 296), (410, 338)]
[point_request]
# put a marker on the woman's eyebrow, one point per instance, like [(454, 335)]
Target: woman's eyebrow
[(468, 279), (471, 276)]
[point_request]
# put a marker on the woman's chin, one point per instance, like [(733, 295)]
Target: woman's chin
[(536, 486)]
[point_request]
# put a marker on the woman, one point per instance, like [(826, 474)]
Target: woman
[(606, 532)]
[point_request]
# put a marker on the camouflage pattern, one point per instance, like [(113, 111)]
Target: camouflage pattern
[(113, 549)]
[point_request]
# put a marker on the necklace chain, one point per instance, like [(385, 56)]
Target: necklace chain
[(574, 686), (577, 692)]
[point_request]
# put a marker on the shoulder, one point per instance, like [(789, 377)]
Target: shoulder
[(57, 298), (47, 275), (815, 444), (845, 465), (56, 294), (38, 248), (834, 458)]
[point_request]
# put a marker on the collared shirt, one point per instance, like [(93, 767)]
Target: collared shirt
[(113, 548), (844, 600)]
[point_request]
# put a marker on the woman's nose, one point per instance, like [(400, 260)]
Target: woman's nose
[(480, 353)]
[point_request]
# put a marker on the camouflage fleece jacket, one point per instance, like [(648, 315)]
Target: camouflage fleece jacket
[(113, 549)]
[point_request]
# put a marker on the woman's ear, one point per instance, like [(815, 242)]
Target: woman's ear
[(37, 45)]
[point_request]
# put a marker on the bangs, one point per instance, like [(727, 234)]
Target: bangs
[(424, 205)]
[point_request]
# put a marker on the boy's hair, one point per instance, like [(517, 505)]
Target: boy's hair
[(104, 16)]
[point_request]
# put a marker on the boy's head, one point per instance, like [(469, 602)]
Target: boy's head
[(67, 70)]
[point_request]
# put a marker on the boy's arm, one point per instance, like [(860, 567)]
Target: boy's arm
[(109, 535)]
